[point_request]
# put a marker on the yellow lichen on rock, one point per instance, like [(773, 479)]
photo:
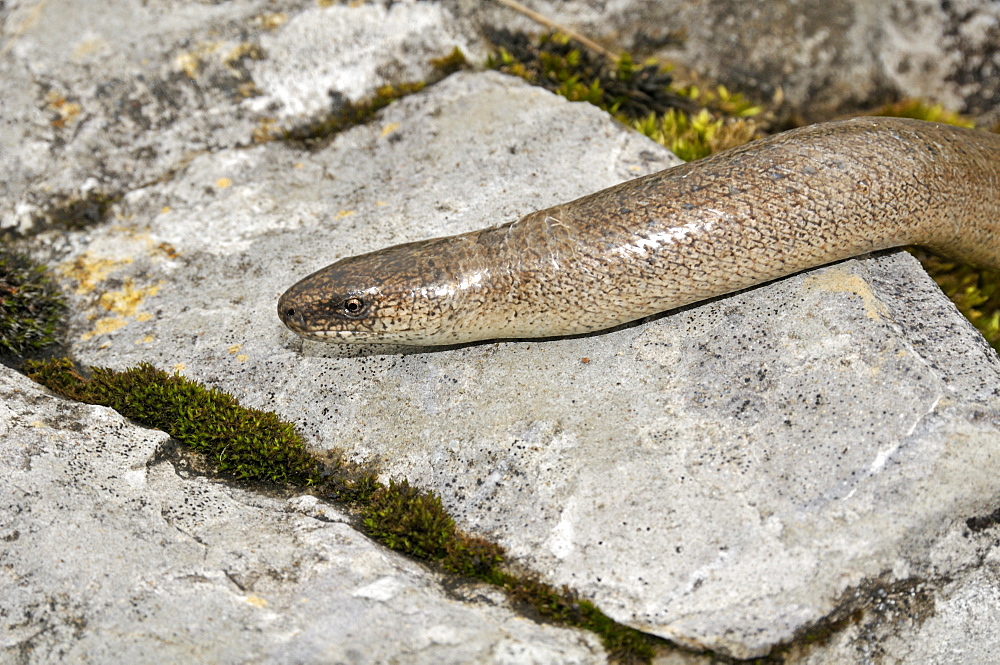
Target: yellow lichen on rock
[(122, 304), (104, 326), (88, 271), (127, 300), (66, 111), (838, 280), (190, 62)]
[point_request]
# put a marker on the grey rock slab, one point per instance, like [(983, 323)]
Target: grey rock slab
[(827, 57), (104, 99), (955, 623), (726, 476), (109, 555), (340, 52), (952, 619)]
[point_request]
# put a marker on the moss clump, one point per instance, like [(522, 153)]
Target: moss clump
[(407, 520), (31, 306), (451, 63), (921, 110), (692, 121), (624, 644), (256, 445), (414, 522), (693, 136), (241, 442)]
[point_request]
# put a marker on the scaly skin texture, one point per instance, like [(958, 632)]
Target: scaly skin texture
[(765, 210)]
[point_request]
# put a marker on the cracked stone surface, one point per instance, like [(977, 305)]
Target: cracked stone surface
[(143, 88), (817, 454), (110, 555)]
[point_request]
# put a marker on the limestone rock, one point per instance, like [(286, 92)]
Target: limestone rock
[(723, 476), (106, 99), (111, 555), (729, 476), (826, 57)]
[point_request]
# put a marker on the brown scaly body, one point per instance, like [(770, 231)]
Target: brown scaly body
[(762, 211)]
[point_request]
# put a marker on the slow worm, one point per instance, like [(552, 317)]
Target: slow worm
[(765, 210)]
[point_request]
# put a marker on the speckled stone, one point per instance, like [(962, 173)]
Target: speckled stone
[(729, 476), (106, 99), (111, 554), (723, 476), (826, 57)]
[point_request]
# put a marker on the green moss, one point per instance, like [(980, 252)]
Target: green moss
[(693, 136), (922, 110), (256, 445), (354, 489), (241, 442), (624, 644), (31, 306), (451, 63), (414, 522), (474, 557), (691, 121), (408, 520)]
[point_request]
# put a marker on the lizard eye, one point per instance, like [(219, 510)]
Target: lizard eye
[(353, 308)]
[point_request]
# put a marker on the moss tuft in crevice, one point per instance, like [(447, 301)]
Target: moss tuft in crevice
[(562, 606), (447, 65), (241, 442), (692, 121), (31, 306), (414, 522), (408, 520)]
